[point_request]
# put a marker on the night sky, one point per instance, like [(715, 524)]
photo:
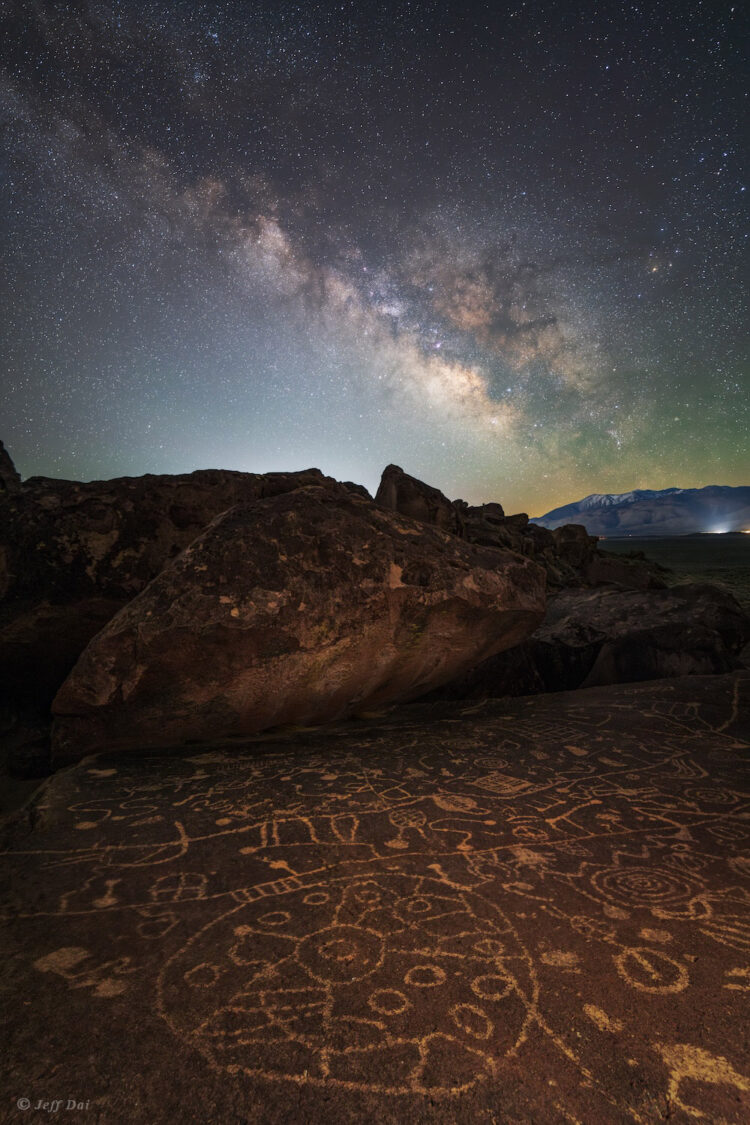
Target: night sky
[(500, 245)]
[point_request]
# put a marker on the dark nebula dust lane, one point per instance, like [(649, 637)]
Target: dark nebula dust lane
[(502, 245)]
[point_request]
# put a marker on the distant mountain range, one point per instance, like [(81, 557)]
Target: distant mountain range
[(667, 511)]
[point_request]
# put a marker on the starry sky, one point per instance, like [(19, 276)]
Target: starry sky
[(501, 245)]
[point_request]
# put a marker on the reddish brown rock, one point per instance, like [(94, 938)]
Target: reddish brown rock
[(605, 568), (72, 554), (399, 492), (569, 554), (609, 636), (574, 546), (369, 923), (301, 608)]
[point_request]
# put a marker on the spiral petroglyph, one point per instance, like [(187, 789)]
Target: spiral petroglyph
[(643, 886)]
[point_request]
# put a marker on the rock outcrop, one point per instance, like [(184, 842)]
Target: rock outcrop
[(399, 492), (299, 608), (609, 636), (72, 554), (568, 554), (10, 481)]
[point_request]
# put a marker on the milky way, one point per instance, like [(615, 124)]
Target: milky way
[(499, 245)]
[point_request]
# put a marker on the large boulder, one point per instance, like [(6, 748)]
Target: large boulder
[(72, 554), (609, 636), (300, 608), (631, 571)]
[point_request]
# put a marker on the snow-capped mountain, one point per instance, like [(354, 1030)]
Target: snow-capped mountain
[(666, 511), (613, 500)]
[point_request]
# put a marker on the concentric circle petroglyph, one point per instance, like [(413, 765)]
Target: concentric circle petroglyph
[(338, 954), (399, 966), (711, 795), (643, 886)]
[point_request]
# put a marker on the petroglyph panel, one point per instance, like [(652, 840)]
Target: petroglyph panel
[(535, 896), (372, 982)]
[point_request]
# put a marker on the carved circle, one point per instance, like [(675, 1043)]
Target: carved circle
[(472, 1020), (340, 954), (425, 976), (388, 1002), (202, 976), (492, 986), (642, 886), (286, 1002), (650, 970)]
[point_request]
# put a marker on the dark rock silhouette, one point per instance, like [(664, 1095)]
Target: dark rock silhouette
[(610, 636), (399, 492), (10, 481), (303, 607)]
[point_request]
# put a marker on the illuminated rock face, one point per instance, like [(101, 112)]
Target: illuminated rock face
[(301, 608), (72, 554)]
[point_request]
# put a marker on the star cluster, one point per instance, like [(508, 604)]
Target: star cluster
[(500, 245)]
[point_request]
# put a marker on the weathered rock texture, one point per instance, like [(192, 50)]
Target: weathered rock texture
[(569, 554), (399, 492), (73, 554), (608, 636), (300, 608), (522, 911)]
